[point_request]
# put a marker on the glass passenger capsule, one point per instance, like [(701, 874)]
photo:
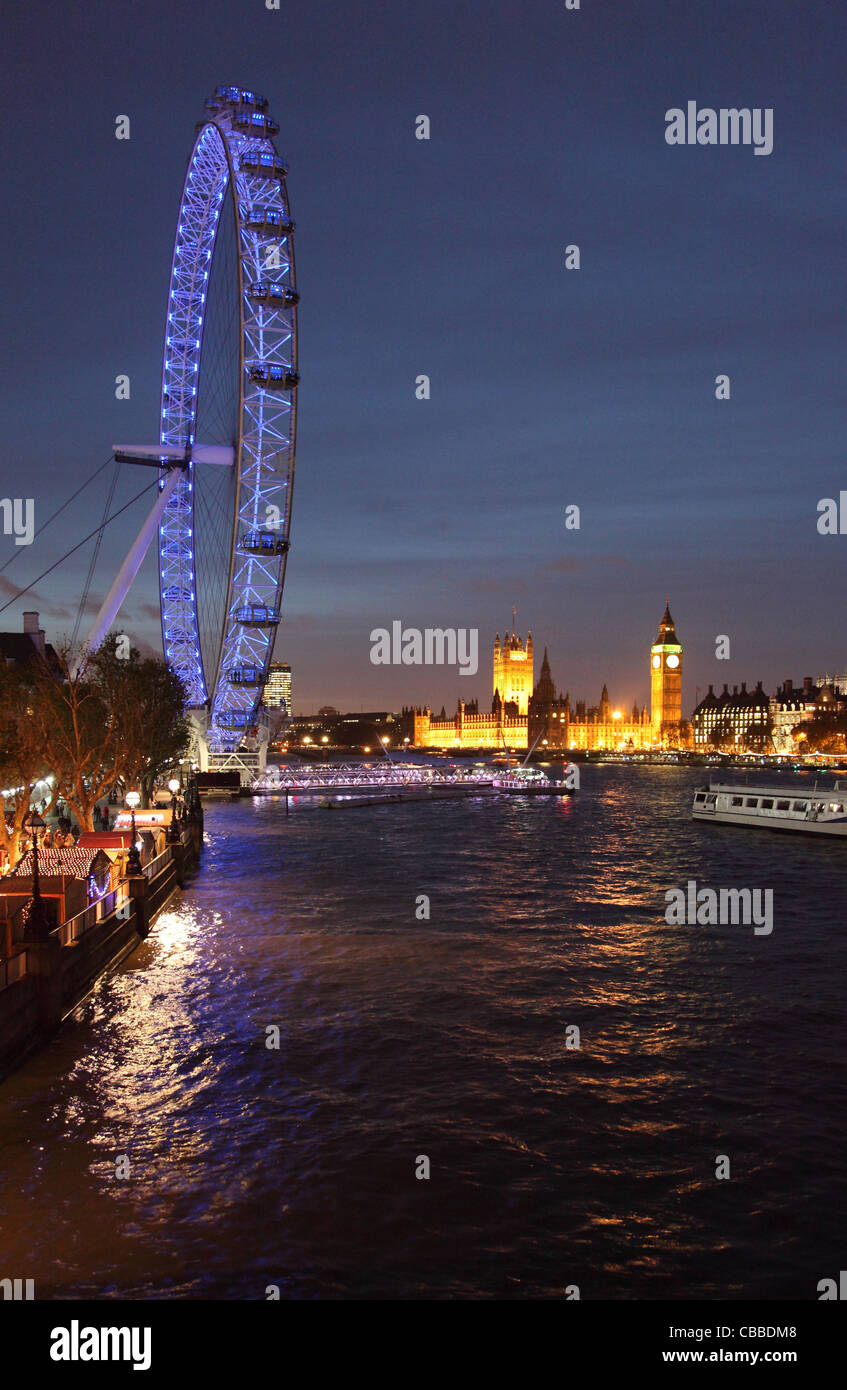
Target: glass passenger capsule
[(273, 375), (257, 615), (264, 163), (282, 295), (264, 543)]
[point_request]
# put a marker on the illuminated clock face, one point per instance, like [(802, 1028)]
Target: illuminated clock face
[(673, 661), (657, 661)]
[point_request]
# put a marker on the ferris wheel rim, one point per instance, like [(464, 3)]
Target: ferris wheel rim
[(274, 317), (238, 416)]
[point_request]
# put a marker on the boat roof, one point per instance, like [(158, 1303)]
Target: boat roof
[(747, 790)]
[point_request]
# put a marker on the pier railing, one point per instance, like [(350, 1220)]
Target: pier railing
[(76, 926), (155, 866), (13, 969)]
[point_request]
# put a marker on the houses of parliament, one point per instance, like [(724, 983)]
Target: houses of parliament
[(524, 711)]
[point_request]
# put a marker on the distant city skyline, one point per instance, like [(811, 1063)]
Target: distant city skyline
[(550, 387)]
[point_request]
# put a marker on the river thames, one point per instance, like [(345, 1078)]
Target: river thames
[(551, 1165)]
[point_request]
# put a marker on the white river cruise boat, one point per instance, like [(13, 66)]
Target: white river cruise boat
[(531, 781), (817, 811)]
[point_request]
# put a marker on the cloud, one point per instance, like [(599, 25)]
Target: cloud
[(147, 610), (35, 601), (8, 588)]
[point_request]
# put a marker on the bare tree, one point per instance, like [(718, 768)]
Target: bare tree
[(105, 718), (22, 756), (147, 700), (78, 731)]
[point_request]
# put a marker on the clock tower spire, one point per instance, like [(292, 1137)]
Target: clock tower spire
[(666, 681)]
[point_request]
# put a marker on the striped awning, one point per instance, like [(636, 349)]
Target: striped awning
[(52, 863)]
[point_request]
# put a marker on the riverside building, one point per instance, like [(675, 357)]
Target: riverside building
[(734, 721), (743, 720), (278, 688), (793, 706)]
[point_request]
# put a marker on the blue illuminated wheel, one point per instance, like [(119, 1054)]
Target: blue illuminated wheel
[(229, 390)]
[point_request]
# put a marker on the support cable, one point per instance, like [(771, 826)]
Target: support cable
[(76, 547), (93, 562), (59, 510)]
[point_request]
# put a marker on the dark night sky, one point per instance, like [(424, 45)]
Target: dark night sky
[(549, 387)]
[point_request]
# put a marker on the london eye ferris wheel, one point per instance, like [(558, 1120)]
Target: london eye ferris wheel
[(228, 417)]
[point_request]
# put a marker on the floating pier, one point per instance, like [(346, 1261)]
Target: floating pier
[(350, 784), (351, 780)]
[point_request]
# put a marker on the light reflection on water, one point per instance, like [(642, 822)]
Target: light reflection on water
[(447, 1037)]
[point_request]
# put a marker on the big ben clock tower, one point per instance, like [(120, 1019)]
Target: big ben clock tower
[(665, 678)]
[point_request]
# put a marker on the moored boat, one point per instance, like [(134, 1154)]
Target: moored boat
[(531, 781), (817, 811)]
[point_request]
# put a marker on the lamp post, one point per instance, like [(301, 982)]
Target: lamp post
[(134, 858), (173, 788), (38, 926)]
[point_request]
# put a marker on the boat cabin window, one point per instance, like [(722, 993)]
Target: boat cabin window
[(783, 805), (836, 806), (767, 803), (737, 801), (752, 801), (801, 806)]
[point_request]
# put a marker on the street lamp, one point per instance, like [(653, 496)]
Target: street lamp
[(173, 788), (134, 858), (38, 926)]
